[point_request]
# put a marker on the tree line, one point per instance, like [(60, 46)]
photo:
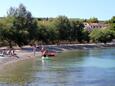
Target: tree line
[(20, 28)]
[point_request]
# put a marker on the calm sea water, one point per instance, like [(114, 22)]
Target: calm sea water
[(93, 67)]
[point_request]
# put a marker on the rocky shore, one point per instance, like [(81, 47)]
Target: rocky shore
[(66, 47)]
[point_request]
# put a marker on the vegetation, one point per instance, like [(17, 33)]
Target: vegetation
[(102, 35), (20, 28), (93, 20)]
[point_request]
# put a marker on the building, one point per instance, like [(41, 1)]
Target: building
[(91, 26)]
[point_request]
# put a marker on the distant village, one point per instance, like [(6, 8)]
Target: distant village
[(91, 26)]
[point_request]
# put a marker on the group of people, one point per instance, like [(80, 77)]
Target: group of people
[(10, 52)]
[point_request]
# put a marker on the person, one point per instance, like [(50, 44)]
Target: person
[(9, 51), (13, 52), (3, 52), (43, 57), (44, 53), (34, 49)]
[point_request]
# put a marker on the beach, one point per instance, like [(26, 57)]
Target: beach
[(26, 52)]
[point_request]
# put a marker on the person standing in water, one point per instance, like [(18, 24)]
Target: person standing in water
[(44, 53)]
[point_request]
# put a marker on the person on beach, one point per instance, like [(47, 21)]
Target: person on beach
[(11, 52), (34, 49), (3, 52)]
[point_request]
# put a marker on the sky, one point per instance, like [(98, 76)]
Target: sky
[(101, 9)]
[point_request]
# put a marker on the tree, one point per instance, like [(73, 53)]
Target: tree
[(86, 36), (93, 20), (63, 25), (76, 31), (112, 19), (6, 31), (52, 32), (23, 25), (112, 23), (47, 32), (102, 35), (43, 34)]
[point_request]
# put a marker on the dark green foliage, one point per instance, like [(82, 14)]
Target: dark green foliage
[(93, 20), (112, 23), (76, 31), (63, 25), (85, 35), (19, 26), (103, 35), (69, 29)]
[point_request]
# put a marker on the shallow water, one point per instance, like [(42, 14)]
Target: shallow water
[(94, 67)]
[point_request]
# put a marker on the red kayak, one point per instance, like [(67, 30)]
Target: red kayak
[(51, 53)]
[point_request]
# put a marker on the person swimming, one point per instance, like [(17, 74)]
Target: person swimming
[(44, 57)]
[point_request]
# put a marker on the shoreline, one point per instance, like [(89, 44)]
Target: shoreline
[(27, 53), (22, 55), (66, 47)]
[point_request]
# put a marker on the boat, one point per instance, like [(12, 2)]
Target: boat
[(51, 53)]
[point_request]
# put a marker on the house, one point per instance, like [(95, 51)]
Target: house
[(91, 26)]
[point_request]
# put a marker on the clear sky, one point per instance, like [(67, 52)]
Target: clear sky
[(102, 9)]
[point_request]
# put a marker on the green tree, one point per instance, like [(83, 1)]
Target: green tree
[(112, 23), (102, 35), (43, 34), (52, 33), (6, 31), (47, 32), (112, 19), (63, 25), (23, 24), (93, 20), (19, 26), (76, 31), (86, 36)]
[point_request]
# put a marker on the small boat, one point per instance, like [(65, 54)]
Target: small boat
[(51, 53)]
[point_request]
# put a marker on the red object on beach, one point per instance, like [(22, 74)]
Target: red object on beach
[(51, 53)]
